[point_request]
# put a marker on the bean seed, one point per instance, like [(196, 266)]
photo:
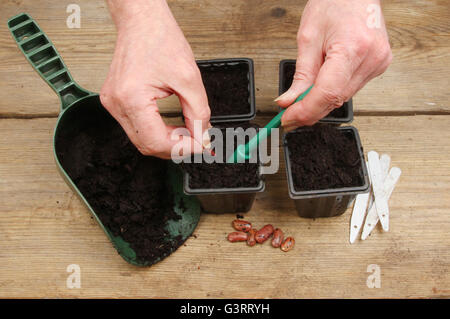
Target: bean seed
[(264, 233), (242, 225), (251, 241), (288, 244), (237, 236), (277, 238)]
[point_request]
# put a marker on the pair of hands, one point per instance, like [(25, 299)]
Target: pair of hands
[(339, 51)]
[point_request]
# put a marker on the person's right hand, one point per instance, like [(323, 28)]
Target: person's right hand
[(339, 51), (153, 60)]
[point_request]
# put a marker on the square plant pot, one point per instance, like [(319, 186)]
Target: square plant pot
[(305, 164), (224, 200), (230, 86), (224, 187), (342, 115)]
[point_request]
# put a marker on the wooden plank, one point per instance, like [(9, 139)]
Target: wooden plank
[(417, 80), (44, 228)]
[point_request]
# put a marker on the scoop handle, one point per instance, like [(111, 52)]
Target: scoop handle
[(45, 59)]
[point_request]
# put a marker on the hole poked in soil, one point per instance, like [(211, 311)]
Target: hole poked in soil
[(324, 157), (228, 87), (288, 76), (224, 175), (126, 189)]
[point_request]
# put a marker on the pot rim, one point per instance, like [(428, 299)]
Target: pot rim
[(251, 89), (223, 190)]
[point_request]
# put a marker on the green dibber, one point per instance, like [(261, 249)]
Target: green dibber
[(243, 151)]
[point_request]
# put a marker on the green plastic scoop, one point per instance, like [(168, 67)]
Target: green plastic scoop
[(75, 103), (243, 151)]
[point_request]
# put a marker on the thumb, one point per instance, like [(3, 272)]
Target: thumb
[(307, 67)]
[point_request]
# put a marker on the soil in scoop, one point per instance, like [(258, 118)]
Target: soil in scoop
[(323, 157), (223, 175), (125, 188), (288, 76), (227, 87)]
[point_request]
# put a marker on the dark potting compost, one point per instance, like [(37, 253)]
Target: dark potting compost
[(224, 175), (323, 157), (221, 187), (288, 77), (124, 187), (227, 87)]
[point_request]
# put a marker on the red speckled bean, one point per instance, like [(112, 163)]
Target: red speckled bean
[(242, 225), (288, 244), (264, 233), (237, 236), (278, 237), (251, 241)]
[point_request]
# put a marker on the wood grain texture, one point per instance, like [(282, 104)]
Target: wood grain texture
[(417, 80), (44, 228)]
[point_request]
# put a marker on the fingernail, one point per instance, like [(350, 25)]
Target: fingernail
[(287, 123), (206, 140), (289, 128), (280, 97)]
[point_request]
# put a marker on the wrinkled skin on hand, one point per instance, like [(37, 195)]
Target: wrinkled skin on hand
[(153, 60), (340, 49)]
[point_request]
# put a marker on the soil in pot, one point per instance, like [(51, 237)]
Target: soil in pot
[(125, 188), (223, 175), (227, 87), (323, 157), (288, 76)]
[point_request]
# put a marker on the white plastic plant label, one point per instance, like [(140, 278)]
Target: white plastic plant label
[(359, 212), (372, 216), (385, 163), (381, 203)]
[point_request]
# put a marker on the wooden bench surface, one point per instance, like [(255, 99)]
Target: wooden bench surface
[(404, 113), (417, 80)]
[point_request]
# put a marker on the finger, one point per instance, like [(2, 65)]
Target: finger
[(328, 93), (369, 69), (358, 81), (309, 60), (152, 136), (183, 145), (196, 111)]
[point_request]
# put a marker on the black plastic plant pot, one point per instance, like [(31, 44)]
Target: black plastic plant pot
[(224, 200), (230, 87), (331, 201), (222, 187), (342, 115)]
